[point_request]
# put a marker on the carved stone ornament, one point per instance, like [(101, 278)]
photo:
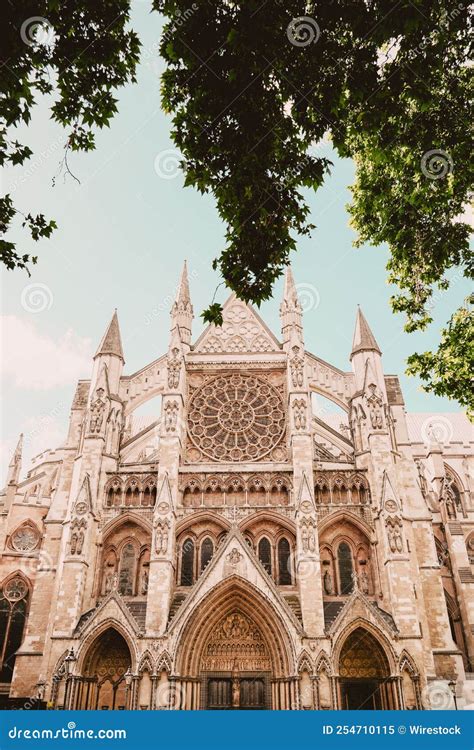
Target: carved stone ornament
[(234, 557), (171, 415), (81, 508), (236, 645), (161, 537), (25, 539), (97, 412), (390, 506), (236, 418), (297, 368), (15, 589), (174, 368), (299, 414), (374, 403)]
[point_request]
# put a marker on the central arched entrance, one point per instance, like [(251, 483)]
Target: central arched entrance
[(236, 667), (364, 673), (235, 653), (103, 682)]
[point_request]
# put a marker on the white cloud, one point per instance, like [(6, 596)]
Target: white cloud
[(35, 361)]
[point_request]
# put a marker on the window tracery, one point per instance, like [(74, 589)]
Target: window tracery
[(14, 595), (234, 418)]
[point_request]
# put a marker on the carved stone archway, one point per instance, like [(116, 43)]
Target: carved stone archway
[(235, 652)]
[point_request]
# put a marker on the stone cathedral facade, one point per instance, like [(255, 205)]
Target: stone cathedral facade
[(241, 549)]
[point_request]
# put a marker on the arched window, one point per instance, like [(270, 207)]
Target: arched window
[(265, 554), (13, 610), (344, 559), (207, 550), (284, 563), (127, 570), (187, 563)]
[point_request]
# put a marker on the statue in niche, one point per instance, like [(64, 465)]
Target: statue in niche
[(235, 692), (328, 584), (144, 581), (174, 368), (398, 539), (80, 542), (305, 538), (97, 411), (299, 414), (161, 537), (374, 402), (73, 543), (109, 581), (391, 539), (311, 539), (297, 368), (422, 477), (171, 415), (364, 581)]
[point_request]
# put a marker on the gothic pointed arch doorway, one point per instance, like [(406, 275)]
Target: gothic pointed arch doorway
[(102, 685), (235, 653), (364, 674)]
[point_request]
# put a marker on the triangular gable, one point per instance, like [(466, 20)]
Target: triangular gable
[(358, 606), (112, 607), (242, 330), (235, 558)]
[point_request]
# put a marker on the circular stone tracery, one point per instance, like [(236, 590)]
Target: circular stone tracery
[(236, 418)]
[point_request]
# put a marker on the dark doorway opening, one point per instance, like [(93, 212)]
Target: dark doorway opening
[(361, 695)]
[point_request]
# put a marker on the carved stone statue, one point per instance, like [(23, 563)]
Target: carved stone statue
[(374, 402), (297, 368), (171, 415), (422, 477), (144, 581), (73, 543), (80, 542), (97, 412), (299, 414), (328, 584), (364, 581), (174, 368)]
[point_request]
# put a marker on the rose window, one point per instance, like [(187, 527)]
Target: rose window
[(236, 418), (25, 539)]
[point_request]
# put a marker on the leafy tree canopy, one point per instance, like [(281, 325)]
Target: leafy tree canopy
[(252, 86), (80, 51)]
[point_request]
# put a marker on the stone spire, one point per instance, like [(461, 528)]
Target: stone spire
[(111, 343), (290, 310), (182, 310), (364, 339), (14, 466)]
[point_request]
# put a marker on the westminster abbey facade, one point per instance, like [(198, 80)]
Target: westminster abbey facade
[(241, 549)]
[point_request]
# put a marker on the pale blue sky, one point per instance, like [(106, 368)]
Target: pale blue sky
[(123, 235)]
